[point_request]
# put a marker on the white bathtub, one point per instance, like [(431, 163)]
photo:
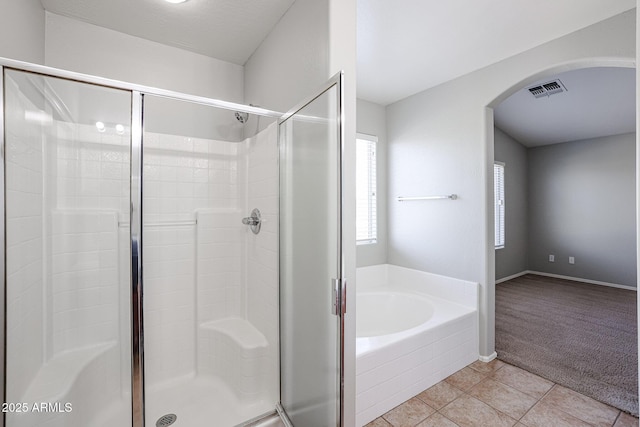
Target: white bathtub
[(413, 330), (386, 312)]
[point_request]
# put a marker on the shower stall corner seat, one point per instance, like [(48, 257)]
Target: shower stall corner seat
[(241, 352), (67, 378)]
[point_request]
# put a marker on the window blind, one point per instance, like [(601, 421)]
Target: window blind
[(498, 188), (366, 212)]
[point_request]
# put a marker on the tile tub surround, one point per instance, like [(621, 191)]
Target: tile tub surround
[(499, 394), (392, 368)]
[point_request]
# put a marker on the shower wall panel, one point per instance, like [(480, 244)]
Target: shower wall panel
[(220, 250), (191, 248), (238, 332), (84, 283), (87, 200), (90, 169)]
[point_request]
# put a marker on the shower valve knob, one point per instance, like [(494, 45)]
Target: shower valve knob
[(254, 221), (250, 221)]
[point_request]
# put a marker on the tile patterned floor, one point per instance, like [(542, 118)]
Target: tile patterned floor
[(496, 394)]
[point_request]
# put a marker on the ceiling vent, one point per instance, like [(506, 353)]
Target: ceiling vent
[(547, 89)]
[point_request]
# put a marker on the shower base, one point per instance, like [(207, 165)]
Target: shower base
[(196, 402)]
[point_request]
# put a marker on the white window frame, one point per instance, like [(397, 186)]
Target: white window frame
[(499, 204), (366, 206)]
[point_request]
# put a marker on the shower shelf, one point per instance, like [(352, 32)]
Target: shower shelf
[(183, 223), (411, 199)]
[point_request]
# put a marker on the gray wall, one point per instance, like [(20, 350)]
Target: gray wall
[(512, 259), (441, 142), (22, 30), (582, 203), (371, 120)]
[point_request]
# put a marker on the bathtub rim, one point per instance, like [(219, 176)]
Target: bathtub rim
[(445, 312), (384, 275)]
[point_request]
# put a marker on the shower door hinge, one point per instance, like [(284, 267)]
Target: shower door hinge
[(338, 297)]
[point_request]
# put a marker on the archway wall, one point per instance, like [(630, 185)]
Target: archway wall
[(440, 141)]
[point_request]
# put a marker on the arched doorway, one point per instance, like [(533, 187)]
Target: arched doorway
[(562, 263)]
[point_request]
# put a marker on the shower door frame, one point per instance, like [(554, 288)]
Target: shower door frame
[(339, 283), (136, 244)]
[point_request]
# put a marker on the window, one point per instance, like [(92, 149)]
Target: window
[(366, 215), (498, 203)]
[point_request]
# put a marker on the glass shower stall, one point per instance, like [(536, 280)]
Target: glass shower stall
[(168, 259)]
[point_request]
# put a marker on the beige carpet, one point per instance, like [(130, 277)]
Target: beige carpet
[(579, 335)]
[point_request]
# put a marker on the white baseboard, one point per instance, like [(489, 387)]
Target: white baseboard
[(576, 279), (579, 279), (513, 276), (488, 358)]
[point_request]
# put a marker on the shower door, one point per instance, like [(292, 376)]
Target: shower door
[(66, 170), (311, 285), (210, 283)]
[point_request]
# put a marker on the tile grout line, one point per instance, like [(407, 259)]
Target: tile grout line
[(563, 411), (447, 418), (616, 420), (491, 376), (513, 388), (535, 404), (487, 375)]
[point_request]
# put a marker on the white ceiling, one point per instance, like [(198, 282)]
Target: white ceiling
[(406, 46), (229, 30), (598, 102)]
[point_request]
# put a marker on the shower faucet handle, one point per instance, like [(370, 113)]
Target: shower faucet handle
[(250, 220), (254, 221)]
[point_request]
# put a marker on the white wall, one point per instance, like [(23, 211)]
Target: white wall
[(22, 30), (441, 141), (371, 120), (87, 48), (292, 61)]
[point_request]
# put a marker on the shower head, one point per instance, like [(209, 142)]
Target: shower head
[(242, 117)]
